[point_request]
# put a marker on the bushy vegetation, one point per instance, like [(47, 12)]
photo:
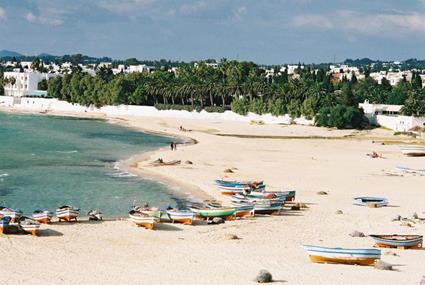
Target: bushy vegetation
[(243, 86)]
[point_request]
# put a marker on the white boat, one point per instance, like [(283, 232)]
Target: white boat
[(12, 213), (370, 201), (67, 213), (142, 220), (408, 170), (412, 150), (320, 254), (42, 216), (181, 216), (29, 225)]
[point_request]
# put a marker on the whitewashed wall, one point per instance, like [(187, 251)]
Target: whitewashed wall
[(399, 123), (42, 105)]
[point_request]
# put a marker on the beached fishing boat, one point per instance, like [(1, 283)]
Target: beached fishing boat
[(67, 213), (403, 169), (278, 196), (261, 206), (230, 190), (239, 187), (142, 220), (208, 213), (242, 210), (4, 223), (95, 215), (398, 241), (12, 213), (42, 216), (233, 183), (370, 201), (287, 195), (412, 150), (29, 225), (320, 254), (150, 211), (181, 216)]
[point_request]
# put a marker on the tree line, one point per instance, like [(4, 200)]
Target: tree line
[(242, 87)]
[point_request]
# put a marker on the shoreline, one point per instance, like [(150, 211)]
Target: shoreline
[(184, 190)]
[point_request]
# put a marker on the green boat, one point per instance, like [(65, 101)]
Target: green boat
[(213, 212)]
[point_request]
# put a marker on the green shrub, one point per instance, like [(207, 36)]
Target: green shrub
[(240, 106), (339, 116), (189, 108), (214, 109)]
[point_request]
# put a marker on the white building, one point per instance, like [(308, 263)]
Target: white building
[(20, 84), (389, 116)]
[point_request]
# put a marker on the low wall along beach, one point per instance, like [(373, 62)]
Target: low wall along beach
[(54, 105)]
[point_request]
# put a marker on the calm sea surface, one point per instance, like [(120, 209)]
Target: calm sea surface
[(48, 161)]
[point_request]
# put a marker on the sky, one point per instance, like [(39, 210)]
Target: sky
[(264, 31)]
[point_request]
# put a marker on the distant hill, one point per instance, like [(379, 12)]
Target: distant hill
[(9, 53), (362, 61)]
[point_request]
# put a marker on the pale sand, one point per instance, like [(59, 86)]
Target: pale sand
[(119, 252)]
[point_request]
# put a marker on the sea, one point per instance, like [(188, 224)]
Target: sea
[(49, 161)]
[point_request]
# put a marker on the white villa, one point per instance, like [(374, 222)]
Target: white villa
[(389, 116), (22, 84)]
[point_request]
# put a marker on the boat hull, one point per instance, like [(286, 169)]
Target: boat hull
[(43, 217), (321, 254), (244, 213), (397, 241), (67, 215), (31, 229), (181, 217), (228, 214), (347, 260), (145, 222), (412, 150), (370, 201)]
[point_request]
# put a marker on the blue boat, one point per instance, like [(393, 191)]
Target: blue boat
[(320, 254), (398, 241), (233, 183), (370, 201)]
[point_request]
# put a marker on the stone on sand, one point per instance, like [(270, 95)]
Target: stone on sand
[(357, 234), (381, 265), (264, 277)]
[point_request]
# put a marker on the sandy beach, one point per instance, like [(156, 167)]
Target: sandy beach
[(307, 159)]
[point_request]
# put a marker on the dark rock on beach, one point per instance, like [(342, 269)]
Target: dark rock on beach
[(217, 221), (357, 234), (381, 265), (264, 277)]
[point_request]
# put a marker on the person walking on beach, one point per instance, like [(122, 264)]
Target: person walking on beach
[(172, 146), (175, 146)]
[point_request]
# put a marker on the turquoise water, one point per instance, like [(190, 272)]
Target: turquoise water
[(48, 161)]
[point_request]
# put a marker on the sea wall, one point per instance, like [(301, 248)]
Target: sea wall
[(46, 105)]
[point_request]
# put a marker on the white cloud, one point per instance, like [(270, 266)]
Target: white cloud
[(2, 14), (391, 23), (47, 19), (239, 13), (317, 21), (193, 8), (124, 6)]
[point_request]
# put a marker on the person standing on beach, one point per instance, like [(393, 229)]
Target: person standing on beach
[(175, 146), (172, 146)]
